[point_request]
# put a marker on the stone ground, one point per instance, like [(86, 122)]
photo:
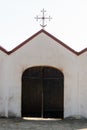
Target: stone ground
[(24, 124)]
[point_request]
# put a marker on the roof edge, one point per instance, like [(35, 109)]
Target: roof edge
[(82, 51), (3, 50), (48, 34)]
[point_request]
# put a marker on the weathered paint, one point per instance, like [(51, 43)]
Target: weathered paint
[(43, 50)]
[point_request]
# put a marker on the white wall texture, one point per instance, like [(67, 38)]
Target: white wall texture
[(42, 50)]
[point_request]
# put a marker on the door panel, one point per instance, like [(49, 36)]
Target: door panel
[(32, 97), (52, 93), (52, 99)]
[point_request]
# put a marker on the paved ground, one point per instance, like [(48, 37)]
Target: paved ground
[(22, 124)]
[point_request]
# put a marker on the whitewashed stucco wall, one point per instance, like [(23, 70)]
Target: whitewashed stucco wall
[(43, 51), (82, 81), (3, 86)]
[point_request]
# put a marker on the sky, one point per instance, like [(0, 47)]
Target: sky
[(68, 24)]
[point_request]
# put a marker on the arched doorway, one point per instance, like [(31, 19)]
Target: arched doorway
[(42, 92)]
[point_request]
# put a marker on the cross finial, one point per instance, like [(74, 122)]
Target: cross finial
[(43, 18)]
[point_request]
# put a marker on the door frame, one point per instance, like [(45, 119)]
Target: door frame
[(43, 67)]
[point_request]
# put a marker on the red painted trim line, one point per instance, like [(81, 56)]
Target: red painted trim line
[(48, 34), (2, 49)]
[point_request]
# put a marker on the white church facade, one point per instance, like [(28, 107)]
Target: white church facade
[(43, 77)]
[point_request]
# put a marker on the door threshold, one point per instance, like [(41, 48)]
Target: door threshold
[(41, 119)]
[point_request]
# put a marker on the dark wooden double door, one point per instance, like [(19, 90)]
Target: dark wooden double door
[(42, 92)]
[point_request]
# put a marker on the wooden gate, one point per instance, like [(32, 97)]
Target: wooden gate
[(42, 92)]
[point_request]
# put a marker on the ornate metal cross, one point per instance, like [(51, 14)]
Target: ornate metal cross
[(43, 18)]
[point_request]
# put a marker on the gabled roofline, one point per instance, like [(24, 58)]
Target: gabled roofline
[(48, 34), (4, 50)]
